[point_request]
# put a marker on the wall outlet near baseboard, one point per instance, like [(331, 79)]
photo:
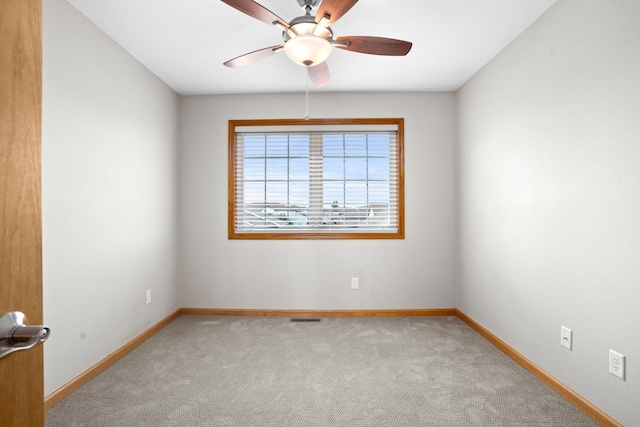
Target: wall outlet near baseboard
[(616, 364), (148, 296), (354, 283), (566, 337)]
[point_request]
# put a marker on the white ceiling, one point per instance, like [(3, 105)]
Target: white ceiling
[(185, 42)]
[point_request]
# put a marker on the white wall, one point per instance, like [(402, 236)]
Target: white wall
[(109, 195), (549, 197), (417, 272)]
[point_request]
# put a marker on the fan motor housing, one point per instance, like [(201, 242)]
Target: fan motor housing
[(306, 26)]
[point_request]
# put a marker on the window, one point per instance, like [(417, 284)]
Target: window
[(316, 179)]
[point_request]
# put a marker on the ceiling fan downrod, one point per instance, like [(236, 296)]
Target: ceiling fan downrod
[(308, 5)]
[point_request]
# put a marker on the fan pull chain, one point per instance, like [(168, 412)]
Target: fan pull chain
[(307, 116)]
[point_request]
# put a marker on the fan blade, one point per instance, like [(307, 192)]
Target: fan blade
[(375, 45), (255, 10), (319, 74), (334, 8), (255, 56)]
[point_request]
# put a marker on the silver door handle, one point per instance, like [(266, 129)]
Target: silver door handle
[(15, 335)]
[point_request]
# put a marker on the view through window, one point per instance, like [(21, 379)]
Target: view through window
[(316, 179)]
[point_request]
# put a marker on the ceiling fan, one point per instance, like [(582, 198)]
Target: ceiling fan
[(308, 40)]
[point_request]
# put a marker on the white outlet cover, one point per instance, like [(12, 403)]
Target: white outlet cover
[(616, 364), (566, 337)]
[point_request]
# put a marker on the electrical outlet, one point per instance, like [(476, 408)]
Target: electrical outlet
[(354, 283), (148, 296), (616, 364), (566, 337)]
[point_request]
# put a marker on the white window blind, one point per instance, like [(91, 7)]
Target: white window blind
[(323, 182)]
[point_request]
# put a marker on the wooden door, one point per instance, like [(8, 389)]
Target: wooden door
[(21, 373)]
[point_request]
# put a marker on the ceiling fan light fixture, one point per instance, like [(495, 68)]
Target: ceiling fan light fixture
[(323, 23), (308, 40), (308, 50)]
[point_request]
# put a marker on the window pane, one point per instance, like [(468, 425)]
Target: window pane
[(379, 192), (299, 194), (254, 169), (333, 168), (355, 145), (332, 145), (277, 146), (254, 145), (378, 168), (276, 193), (254, 192), (333, 193), (299, 146), (299, 169), (356, 193), (276, 169), (378, 145), (356, 168)]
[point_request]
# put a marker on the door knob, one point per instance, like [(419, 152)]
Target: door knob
[(15, 335)]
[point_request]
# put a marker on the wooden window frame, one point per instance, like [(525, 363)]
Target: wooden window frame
[(306, 235)]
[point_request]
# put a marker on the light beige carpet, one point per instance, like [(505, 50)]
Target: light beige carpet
[(268, 371)]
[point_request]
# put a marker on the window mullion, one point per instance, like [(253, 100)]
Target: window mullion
[(315, 180), (366, 174), (288, 183), (266, 179), (344, 172)]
